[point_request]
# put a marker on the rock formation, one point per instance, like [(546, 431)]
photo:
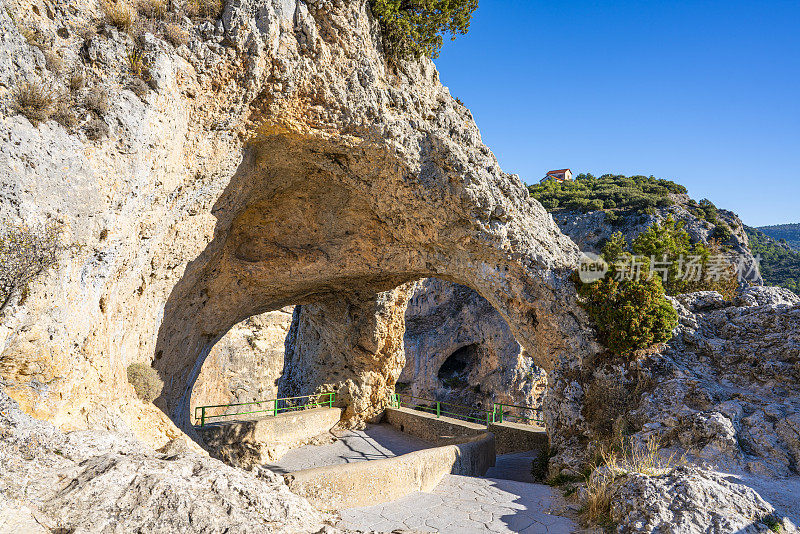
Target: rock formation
[(351, 346), (458, 348), (723, 391), (590, 230), (245, 365), (90, 481), (273, 159)]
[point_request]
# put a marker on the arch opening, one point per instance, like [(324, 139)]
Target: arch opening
[(340, 229)]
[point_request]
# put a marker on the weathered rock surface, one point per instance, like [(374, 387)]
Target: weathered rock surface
[(726, 387), (245, 365), (458, 348), (590, 230), (276, 160), (725, 391), (689, 499), (349, 345), (88, 481)]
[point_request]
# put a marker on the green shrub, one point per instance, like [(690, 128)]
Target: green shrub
[(25, 253), (629, 314), (780, 265), (145, 381), (413, 28), (669, 241)]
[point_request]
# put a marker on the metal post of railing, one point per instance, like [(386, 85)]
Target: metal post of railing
[(203, 416), (487, 418), (330, 399), (438, 409), (275, 408)]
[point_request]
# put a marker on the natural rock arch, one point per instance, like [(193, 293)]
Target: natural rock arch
[(357, 178), (309, 220)]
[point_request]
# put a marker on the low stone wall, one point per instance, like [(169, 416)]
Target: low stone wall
[(517, 437), (249, 443), (426, 426), (364, 483)]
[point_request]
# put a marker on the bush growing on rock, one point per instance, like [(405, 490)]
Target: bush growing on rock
[(669, 243), (25, 253), (413, 28), (34, 101), (629, 314), (119, 14), (145, 381)]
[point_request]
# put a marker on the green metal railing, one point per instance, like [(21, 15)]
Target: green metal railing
[(503, 412), (498, 414), (449, 409), (206, 414)]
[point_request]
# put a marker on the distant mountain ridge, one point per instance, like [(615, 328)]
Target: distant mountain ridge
[(788, 232)]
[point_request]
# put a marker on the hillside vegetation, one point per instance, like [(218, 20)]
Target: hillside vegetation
[(617, 194), (610, 192), (785, 233), (780, 265)]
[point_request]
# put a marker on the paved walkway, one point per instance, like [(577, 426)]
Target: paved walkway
[(374, 443), (465, 505), (504, 501)]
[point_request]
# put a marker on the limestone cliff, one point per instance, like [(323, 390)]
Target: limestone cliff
[(458, 348), (272, 158), (245, 365)]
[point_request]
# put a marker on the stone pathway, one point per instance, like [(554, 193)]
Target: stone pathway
[(465, 505), (373, 443), (504, 501)]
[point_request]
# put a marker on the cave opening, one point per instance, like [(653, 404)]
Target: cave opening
[(457, 366)]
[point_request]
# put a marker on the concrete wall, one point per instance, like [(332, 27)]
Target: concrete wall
[(515, 437), (377, 481), (250, 443), (435, 430)]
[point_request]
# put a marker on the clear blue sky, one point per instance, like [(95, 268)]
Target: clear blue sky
[(703, 93)]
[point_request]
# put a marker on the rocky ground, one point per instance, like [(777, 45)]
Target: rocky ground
[(722, 395), (90, 481)]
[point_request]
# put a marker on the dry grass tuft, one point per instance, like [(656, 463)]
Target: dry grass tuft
[(97, 100), (96, 129), (618, 460), (65, 116), (53, 61), (152, 9), (119, 14), (175, 34), (205, 9), (145, 381), (33, 100), (139, 87), (76, 80)]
